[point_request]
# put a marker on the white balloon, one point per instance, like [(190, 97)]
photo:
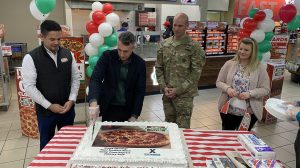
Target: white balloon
[(36, 12), (96, 40), (258, 35), (266, 56), (90, 50), (105, 29), (269, 13), (97, 6), (266, 25), (91, 16), (113, 19), (242, 21)]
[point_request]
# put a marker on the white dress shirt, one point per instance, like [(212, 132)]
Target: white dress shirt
[(29, 76)]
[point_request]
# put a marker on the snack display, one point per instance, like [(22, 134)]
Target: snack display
[(131, 144)]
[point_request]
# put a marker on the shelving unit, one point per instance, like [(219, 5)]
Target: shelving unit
[(196, 30), (232, 39), (215, 38)]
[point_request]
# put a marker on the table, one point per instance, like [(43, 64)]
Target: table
[(201, 144)]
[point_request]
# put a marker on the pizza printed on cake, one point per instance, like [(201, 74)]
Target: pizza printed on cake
[(134, 139)]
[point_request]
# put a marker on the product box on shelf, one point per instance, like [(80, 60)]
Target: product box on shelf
[(196, 30), (215, 38), (256, 146), (232, 39)]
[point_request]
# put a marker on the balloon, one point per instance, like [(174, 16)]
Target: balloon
[(269, 36), (98, 17), (113, 19), (244, 33), (294, 24), (89, 71), (90, 50), (36, 13), (252, 12), (287, 13), (250, 24), (269, 13), (259, 56), (97, 6), (45, 6), (96, 40), (105, 29), (107, 8), (101, 49), (93, 61), (111, 40), (264, 46), (266, 55), (259, 16), (91, 15), (258, 35), (242, 21), (266, 25), (91, 27)]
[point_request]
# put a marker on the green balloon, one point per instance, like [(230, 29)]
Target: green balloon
[(252, 12), (93, 61), (89, 71), (111, 40), (102, 48), (269, 36), (259, 56), (294, 24), (264, 46), (45, 6)]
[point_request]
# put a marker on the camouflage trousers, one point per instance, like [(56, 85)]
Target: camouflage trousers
[(178, 110)]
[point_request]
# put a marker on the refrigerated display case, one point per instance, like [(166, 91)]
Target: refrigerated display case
[(5, 92), (197, 30), (232, 39), (215, 38)]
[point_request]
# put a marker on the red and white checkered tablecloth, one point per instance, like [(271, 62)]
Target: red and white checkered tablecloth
[(201, 144)]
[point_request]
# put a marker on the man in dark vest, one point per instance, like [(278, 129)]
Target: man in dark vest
[(118, 82), (51, 78)]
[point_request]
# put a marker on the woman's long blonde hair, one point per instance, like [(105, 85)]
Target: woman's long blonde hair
[(253, 62)]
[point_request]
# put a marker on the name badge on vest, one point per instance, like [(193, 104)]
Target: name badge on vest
[(64, 60)]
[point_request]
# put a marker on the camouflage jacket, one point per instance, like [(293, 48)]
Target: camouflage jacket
[(179, 64)]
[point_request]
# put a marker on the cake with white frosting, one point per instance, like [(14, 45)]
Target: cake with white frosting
[(131, 145)]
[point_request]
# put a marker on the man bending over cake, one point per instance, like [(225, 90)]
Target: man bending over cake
[(118, 82)]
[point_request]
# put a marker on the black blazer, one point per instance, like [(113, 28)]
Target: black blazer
[(103, 82)]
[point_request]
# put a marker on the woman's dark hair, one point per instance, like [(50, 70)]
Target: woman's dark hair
[(49, 25)]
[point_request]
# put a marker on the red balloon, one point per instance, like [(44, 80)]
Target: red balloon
[(244, 33), (98, 17), (91, 27), (287, 13), (107, 8), (250, 24), (259, 16)]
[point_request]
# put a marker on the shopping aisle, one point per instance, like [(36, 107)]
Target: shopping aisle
[(17, 151)]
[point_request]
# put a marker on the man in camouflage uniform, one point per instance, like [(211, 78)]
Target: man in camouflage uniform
[(178, 68)]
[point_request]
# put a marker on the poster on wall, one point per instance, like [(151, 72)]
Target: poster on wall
[(242, 8), (29, 125)]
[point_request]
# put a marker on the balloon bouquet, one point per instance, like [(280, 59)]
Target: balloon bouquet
[(101, 28), (259, 26), (40, 9)]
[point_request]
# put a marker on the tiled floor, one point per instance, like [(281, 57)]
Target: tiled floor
[(17, 151)]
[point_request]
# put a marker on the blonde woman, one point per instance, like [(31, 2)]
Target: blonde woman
[(244, 78)]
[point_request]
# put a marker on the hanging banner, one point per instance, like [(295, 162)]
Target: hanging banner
[(242, 8), (29, 125)]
